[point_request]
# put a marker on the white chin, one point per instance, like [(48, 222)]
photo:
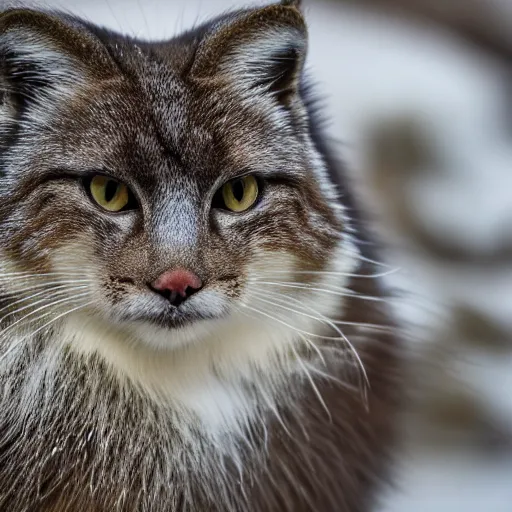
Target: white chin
[(200, 368)]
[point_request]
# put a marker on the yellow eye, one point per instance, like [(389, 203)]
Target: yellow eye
[(240, 194), (109, 194)]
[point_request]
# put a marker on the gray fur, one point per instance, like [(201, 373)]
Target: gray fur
[(114, 399)]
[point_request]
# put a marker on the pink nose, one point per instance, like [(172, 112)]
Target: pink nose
[(179, 282)]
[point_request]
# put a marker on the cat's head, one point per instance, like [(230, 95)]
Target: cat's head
[(162, 184)]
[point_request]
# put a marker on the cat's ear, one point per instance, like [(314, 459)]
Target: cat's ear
[(258, 52), (43, 59)]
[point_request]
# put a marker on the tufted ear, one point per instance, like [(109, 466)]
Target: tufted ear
[(44, 58), (260, 51)]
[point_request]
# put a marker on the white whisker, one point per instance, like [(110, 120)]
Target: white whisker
[(312, 345), (262, 297), (332, 273), (313, 385), (271, 406), (39, 329), (286, 324), (326, 320), (286, 298), (333, 291), (46, 306), (332, 378), (347, 341), (57, 290), (360, 257), (341, 337), (31, 274), (41, 278), (48, 285)]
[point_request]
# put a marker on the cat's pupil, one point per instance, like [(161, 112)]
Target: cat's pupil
[(110, 190), (238, 190)]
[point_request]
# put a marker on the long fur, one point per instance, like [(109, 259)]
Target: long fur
[(273, 388)]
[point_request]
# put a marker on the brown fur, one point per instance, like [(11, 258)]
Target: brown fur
[(175, 120)]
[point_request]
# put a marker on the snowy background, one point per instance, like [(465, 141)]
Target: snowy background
[(424, 122)]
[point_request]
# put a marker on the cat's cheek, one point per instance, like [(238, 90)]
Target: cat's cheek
[(75, 263), (280, 284), (211, 303)]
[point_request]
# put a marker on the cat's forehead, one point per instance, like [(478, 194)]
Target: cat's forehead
[(143, 125), (152, 121), (212, 104)]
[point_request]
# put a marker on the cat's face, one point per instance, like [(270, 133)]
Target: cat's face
[(124, 164)]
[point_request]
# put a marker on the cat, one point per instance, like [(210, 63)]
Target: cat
[(192, 317)]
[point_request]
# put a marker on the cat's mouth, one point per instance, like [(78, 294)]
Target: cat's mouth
[(174, 312), (176, 317)]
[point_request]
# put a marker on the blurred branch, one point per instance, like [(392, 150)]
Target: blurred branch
[(483, 23)]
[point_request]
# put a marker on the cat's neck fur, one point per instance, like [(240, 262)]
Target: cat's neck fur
[(294, 447)]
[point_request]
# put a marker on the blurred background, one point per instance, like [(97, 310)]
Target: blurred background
[(418, 96)]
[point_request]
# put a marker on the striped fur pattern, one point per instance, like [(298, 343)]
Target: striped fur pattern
[(273, 388)]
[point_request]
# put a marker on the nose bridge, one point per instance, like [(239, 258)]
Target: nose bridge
[(175, 226)]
